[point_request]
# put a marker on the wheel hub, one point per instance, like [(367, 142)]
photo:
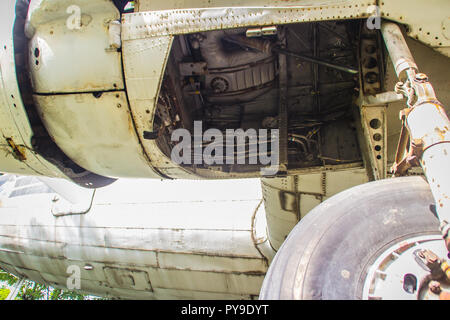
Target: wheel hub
[(399, 273)]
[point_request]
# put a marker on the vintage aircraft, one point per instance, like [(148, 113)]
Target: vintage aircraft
[(305, 95)]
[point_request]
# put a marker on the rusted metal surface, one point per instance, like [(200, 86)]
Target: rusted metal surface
[(403, 272), (171, 22), (445, 267), (435, 290), (16, 151), (426, 129)]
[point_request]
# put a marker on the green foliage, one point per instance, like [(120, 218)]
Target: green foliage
[(4, 293), (31, 290), (58, 294), (8, 278)]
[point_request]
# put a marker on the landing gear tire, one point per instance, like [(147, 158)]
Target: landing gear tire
[(333, 252)]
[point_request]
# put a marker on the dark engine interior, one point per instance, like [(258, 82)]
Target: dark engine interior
[(270, 78)]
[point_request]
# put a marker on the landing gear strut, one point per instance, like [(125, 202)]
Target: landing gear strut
[(425, 136), (380, 240)]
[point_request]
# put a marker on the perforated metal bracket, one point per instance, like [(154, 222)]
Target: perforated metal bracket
[(373, 123)]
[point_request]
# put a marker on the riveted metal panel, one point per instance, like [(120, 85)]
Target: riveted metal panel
[(171, 22), (66, 57), (427, 21), (16, 152), (204, 262), (144, 64), (147, 38), (148, 5), (289, 199), (128, 278), (96, 132)]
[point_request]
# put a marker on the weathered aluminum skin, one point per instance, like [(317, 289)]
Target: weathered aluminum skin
[(145, 239), (288, 200), (97, 132), (428, 21), (79, 88), (80, 61), (154, 26), (15, 126), (72, 58), (161, 23)]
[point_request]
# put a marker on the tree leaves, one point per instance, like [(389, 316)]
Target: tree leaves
[(9, 278), (31, 290), (4, 292)]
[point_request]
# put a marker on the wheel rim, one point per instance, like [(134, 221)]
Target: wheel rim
[(396, 273)]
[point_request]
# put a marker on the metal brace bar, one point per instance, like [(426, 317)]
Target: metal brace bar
[(282, 110)]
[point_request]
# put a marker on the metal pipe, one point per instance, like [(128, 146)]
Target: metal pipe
[(398, 49), (265, 46), (300, 142), (316, 61), (427, 123)]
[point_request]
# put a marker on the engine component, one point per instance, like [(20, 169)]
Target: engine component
[(219, 85), (258, 32), (235, 73)]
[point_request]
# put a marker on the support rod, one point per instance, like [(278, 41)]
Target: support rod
[(316, 61), (398, 49)]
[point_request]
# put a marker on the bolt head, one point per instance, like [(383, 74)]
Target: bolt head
[(434, 287), (421, 77)]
